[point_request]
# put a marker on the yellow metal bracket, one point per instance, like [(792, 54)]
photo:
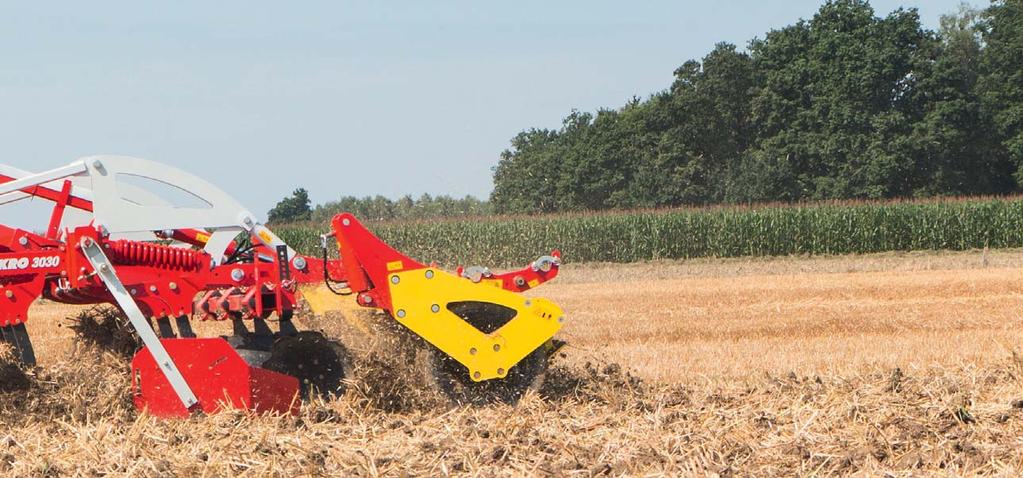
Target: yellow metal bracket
[(420, 299)]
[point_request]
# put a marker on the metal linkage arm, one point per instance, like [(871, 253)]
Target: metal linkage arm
[(105, 271)]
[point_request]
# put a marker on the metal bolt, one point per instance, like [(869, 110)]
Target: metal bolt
[(173, 286), (429, 274), (23, 240), (401, 313), (97, 164), (367, 299), (528, 302), (395, 279), (497, 347), (435, 308), (104, 267), (300, 263), (346, 222), (500, 371), (237, 275), (10, 294), (152, 288), (134, 291), (472, 351), (476, 375)]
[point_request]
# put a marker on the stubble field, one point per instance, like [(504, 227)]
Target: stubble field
[(899, 363)]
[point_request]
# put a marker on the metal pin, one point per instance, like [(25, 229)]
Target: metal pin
[(435, 308)]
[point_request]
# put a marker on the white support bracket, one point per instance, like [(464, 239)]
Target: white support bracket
[(105, 271)]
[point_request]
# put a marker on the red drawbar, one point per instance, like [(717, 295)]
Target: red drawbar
[(218, 376)]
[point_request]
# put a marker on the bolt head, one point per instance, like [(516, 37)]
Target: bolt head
[(395, 279), (346, 222), (401, 313), (152, 288), (497, 347), (173, 286), (472, 351), (23, 240), (429, 274), (237, 275), (476, 375), (435, 308), (300, 263)]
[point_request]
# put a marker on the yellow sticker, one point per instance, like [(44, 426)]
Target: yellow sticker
[(533, 283), (495, 282), (395, 266), (266, 237), (202, 237)]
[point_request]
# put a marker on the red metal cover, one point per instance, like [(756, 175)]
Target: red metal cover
[(218, 377)]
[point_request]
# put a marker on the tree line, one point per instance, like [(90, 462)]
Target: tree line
[(298, 207), (844, 105)]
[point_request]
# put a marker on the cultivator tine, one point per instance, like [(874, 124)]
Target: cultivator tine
[(261, 329), (239, 329), (17, 337), (287, 327), (164, 325), (184, 327)]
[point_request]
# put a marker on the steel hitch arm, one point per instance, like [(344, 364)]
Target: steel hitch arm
[(105, 271)]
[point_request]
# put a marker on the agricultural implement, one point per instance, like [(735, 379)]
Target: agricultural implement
[(168, 248)]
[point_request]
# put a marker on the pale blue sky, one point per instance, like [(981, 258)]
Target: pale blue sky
[(355, 98)]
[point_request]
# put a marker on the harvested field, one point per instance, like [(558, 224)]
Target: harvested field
[(900, 363)]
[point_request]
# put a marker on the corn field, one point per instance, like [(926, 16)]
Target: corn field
[(770, 230)]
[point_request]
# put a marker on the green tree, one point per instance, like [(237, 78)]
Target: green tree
[(526, 176), (834, 108), (1001, 85), (293, 208), (953, 141)]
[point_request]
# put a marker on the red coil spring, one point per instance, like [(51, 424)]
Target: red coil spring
[(127, 252)]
